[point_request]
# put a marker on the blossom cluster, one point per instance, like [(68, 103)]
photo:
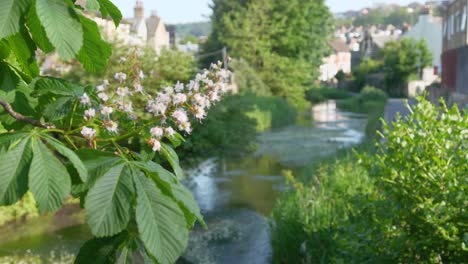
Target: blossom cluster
[(157, 113)]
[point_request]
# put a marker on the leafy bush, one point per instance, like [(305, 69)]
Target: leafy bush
[(361, 72), (26, 208), (369, 100), (247, 79), (421, 167), (318, 95), (307, 221), (405, 202)]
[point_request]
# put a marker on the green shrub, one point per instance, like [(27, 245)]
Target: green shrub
[(318, 95), (421, 169), (25, 208), (306, 221), (369, 100)]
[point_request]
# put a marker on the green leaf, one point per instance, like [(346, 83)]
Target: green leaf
[(51, 85), (4, 50), (126, 256), (160, 221), (11, 12), (97, 163), (49, 180), (100, 250), (24, 49), (95, 52), (58, 109), (38, 33), (176, 140), (171, 156), (14, 167), (168, 182), (109, 9), (92, 5), (62, 27), (70, 155), (108, 203)]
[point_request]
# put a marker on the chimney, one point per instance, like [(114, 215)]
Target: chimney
[(154, 13), (139, 10)]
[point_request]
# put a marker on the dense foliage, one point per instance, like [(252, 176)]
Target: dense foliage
[(321, 94), (403, 60), (283, 41), (402, 203), (109, 145)]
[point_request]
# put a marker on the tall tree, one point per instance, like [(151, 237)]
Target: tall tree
[(284, 41)]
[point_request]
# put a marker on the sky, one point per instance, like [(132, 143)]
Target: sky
[(182, 11)]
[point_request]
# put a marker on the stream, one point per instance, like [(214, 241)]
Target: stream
[(236, 195)]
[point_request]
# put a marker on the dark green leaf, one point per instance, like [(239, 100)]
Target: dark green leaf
[(161, 223), (171, 156), (10, 16), (109, 9), (95, 52), (62, 26), (14, 167), (58, 109), (55, 86), (25, 52), (38, 33), (100, 250), (108, 203), (49, 180), (70, 155), (97, 163)]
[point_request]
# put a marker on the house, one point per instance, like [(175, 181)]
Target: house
[(429, 28), (455, 50), (151, 31), (339, 60)]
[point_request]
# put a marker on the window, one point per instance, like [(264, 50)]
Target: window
[(463, 21)]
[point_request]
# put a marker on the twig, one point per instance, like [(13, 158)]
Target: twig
[(21, 117)]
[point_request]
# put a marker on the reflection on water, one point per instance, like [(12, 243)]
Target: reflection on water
[(236, 195)]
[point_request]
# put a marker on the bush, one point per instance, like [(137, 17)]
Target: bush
[(25, 208), (308, 220), (369, 100), (318, 95), (361, 72), (421, 169), (405, 202)]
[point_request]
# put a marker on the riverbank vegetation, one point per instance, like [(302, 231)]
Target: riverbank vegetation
[(402, 202), (321, 94)]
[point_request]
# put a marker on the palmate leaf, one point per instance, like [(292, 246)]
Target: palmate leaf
[(14, 168), (171, 156), (10, 16), (51, 85), (70, 155), (24, 50), (92, 5), (168, 182), (160, 221), (107, 8), (49, 180), (37, 31), (97, 163), (108, 203), (58, 109), (100, 250), (95, 52), (62, 27)]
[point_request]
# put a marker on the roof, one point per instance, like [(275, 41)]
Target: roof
[(338, 45)]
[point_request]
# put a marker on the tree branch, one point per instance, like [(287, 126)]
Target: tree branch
[(21, 117)]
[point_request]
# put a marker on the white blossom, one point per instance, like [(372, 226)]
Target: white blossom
[(193, 86), (85, 99), (156, 145), (157, 132), (90, 113), (103, 96), (169, 131), (111, 126), (88, 132), (120, 76), (123, 91), (200, 113), (186, 126), (138, 87), (180, 116), (100, 88), (180, 98), (169, 90), (128, 107), (105, 82), (179, 87), (122, 59), (107, 110), (156, 108)]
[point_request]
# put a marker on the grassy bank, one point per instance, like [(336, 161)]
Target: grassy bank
[(385, 205)]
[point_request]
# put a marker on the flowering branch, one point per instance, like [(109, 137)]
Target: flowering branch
[(21, 117)]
